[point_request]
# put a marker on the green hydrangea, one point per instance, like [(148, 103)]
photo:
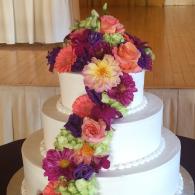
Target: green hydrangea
[(79, 187), (66, 140), (114, 39), (91, 22), (103, 148), (86, 187), (114, 104), (150, 52)]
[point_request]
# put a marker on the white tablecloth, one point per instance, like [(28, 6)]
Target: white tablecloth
[(29, 21)]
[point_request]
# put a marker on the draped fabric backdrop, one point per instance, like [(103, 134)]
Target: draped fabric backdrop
[(20, 110), (29, 21)]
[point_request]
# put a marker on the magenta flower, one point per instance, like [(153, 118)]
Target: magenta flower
[(58, 163), (124, 92), (99, 49), (106, 113), (83, 171), (100, 162)]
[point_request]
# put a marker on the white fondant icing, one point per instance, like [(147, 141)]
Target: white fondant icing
[(139, 83), (72, 86), (132, 110), (138, 134), (160, 176), (140, 161)]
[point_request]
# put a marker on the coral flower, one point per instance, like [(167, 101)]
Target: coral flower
[(93, 131), (84, 155), (50, 189), (82, 106), (110, 24), (65, 59), (102, 75), (127, 55)]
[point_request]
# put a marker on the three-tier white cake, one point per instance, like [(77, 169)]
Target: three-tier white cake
[(102, 128), (145, 156)]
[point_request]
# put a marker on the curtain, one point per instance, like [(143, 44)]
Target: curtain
[(29, 21)]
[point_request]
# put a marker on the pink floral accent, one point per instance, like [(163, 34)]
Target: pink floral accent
[(83, 106), (65, 59), (84, 155), (110, 24), (93, 131), (127, 55)]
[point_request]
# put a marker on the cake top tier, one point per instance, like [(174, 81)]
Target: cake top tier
[(103, 41)]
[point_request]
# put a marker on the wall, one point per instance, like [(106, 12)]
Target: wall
[(179, 2), (97, 3)]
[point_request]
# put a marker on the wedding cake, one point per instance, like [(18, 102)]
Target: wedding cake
[(103, 134)]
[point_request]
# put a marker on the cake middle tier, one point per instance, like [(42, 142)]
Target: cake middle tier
[(138, 134)]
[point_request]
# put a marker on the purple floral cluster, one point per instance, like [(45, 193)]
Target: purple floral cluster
[(62, 163), (145, 60)]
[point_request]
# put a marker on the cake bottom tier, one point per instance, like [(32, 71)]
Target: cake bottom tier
[(158, 177)]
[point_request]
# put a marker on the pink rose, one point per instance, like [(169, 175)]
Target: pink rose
[(127, 55), (93, 131), (110, 24)]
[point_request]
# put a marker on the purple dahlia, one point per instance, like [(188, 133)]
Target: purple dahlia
[(145, 61), (51, 57), (106, 113), (83, 171), (124, 92), (94, 96), (94, 37), (74, 125), (58, 163), (99, 49)]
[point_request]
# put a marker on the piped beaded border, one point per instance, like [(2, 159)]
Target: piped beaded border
[(134, 163), (61, 108), (140, 161), (181, 185)]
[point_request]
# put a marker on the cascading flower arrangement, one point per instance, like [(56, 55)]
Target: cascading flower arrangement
[(100, 48)]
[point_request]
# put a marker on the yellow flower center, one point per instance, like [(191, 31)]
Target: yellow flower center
[(64, 163), (102, 69), (86, 150), (122, 88)]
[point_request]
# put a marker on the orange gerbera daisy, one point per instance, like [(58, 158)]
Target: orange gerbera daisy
[(65, 59)]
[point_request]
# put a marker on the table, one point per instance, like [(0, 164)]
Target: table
[(11, 160)]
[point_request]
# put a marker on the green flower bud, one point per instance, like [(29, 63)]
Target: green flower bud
[(114, 104), (114, 39)]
